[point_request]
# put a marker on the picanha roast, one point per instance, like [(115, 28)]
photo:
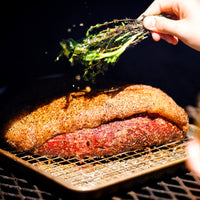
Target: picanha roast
[(97, 124)]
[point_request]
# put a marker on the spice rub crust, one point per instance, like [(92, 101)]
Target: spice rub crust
[(75, 112)]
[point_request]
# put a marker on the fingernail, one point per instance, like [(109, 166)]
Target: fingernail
[(149, 22)]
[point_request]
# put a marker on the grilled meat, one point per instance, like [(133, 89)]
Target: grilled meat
[(103, 123)]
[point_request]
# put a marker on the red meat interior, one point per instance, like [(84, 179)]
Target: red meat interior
[(115, 137)]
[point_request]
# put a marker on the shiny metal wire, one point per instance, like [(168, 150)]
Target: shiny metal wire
[(91, 173)]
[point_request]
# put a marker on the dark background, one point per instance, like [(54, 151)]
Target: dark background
[(29, 43)]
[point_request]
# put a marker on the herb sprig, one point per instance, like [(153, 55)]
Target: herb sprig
[(102, 45)]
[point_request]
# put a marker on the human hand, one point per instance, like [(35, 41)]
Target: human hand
[(184, 24), (193, 156)]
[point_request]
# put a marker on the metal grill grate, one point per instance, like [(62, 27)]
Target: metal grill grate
[(12, 187), (186, 187), (95, 173)]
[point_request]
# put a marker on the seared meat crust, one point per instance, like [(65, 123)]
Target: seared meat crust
[(77, 111)]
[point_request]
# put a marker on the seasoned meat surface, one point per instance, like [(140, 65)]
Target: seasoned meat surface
[(112, 138), (77, 111)]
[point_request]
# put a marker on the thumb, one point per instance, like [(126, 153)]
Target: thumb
[(160, 24)]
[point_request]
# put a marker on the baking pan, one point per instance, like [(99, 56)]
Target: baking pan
[(92, 174)]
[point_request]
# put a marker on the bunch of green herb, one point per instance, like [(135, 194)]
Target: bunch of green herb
[(103, 45)]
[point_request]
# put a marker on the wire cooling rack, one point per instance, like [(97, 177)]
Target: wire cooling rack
[(95, 173)]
